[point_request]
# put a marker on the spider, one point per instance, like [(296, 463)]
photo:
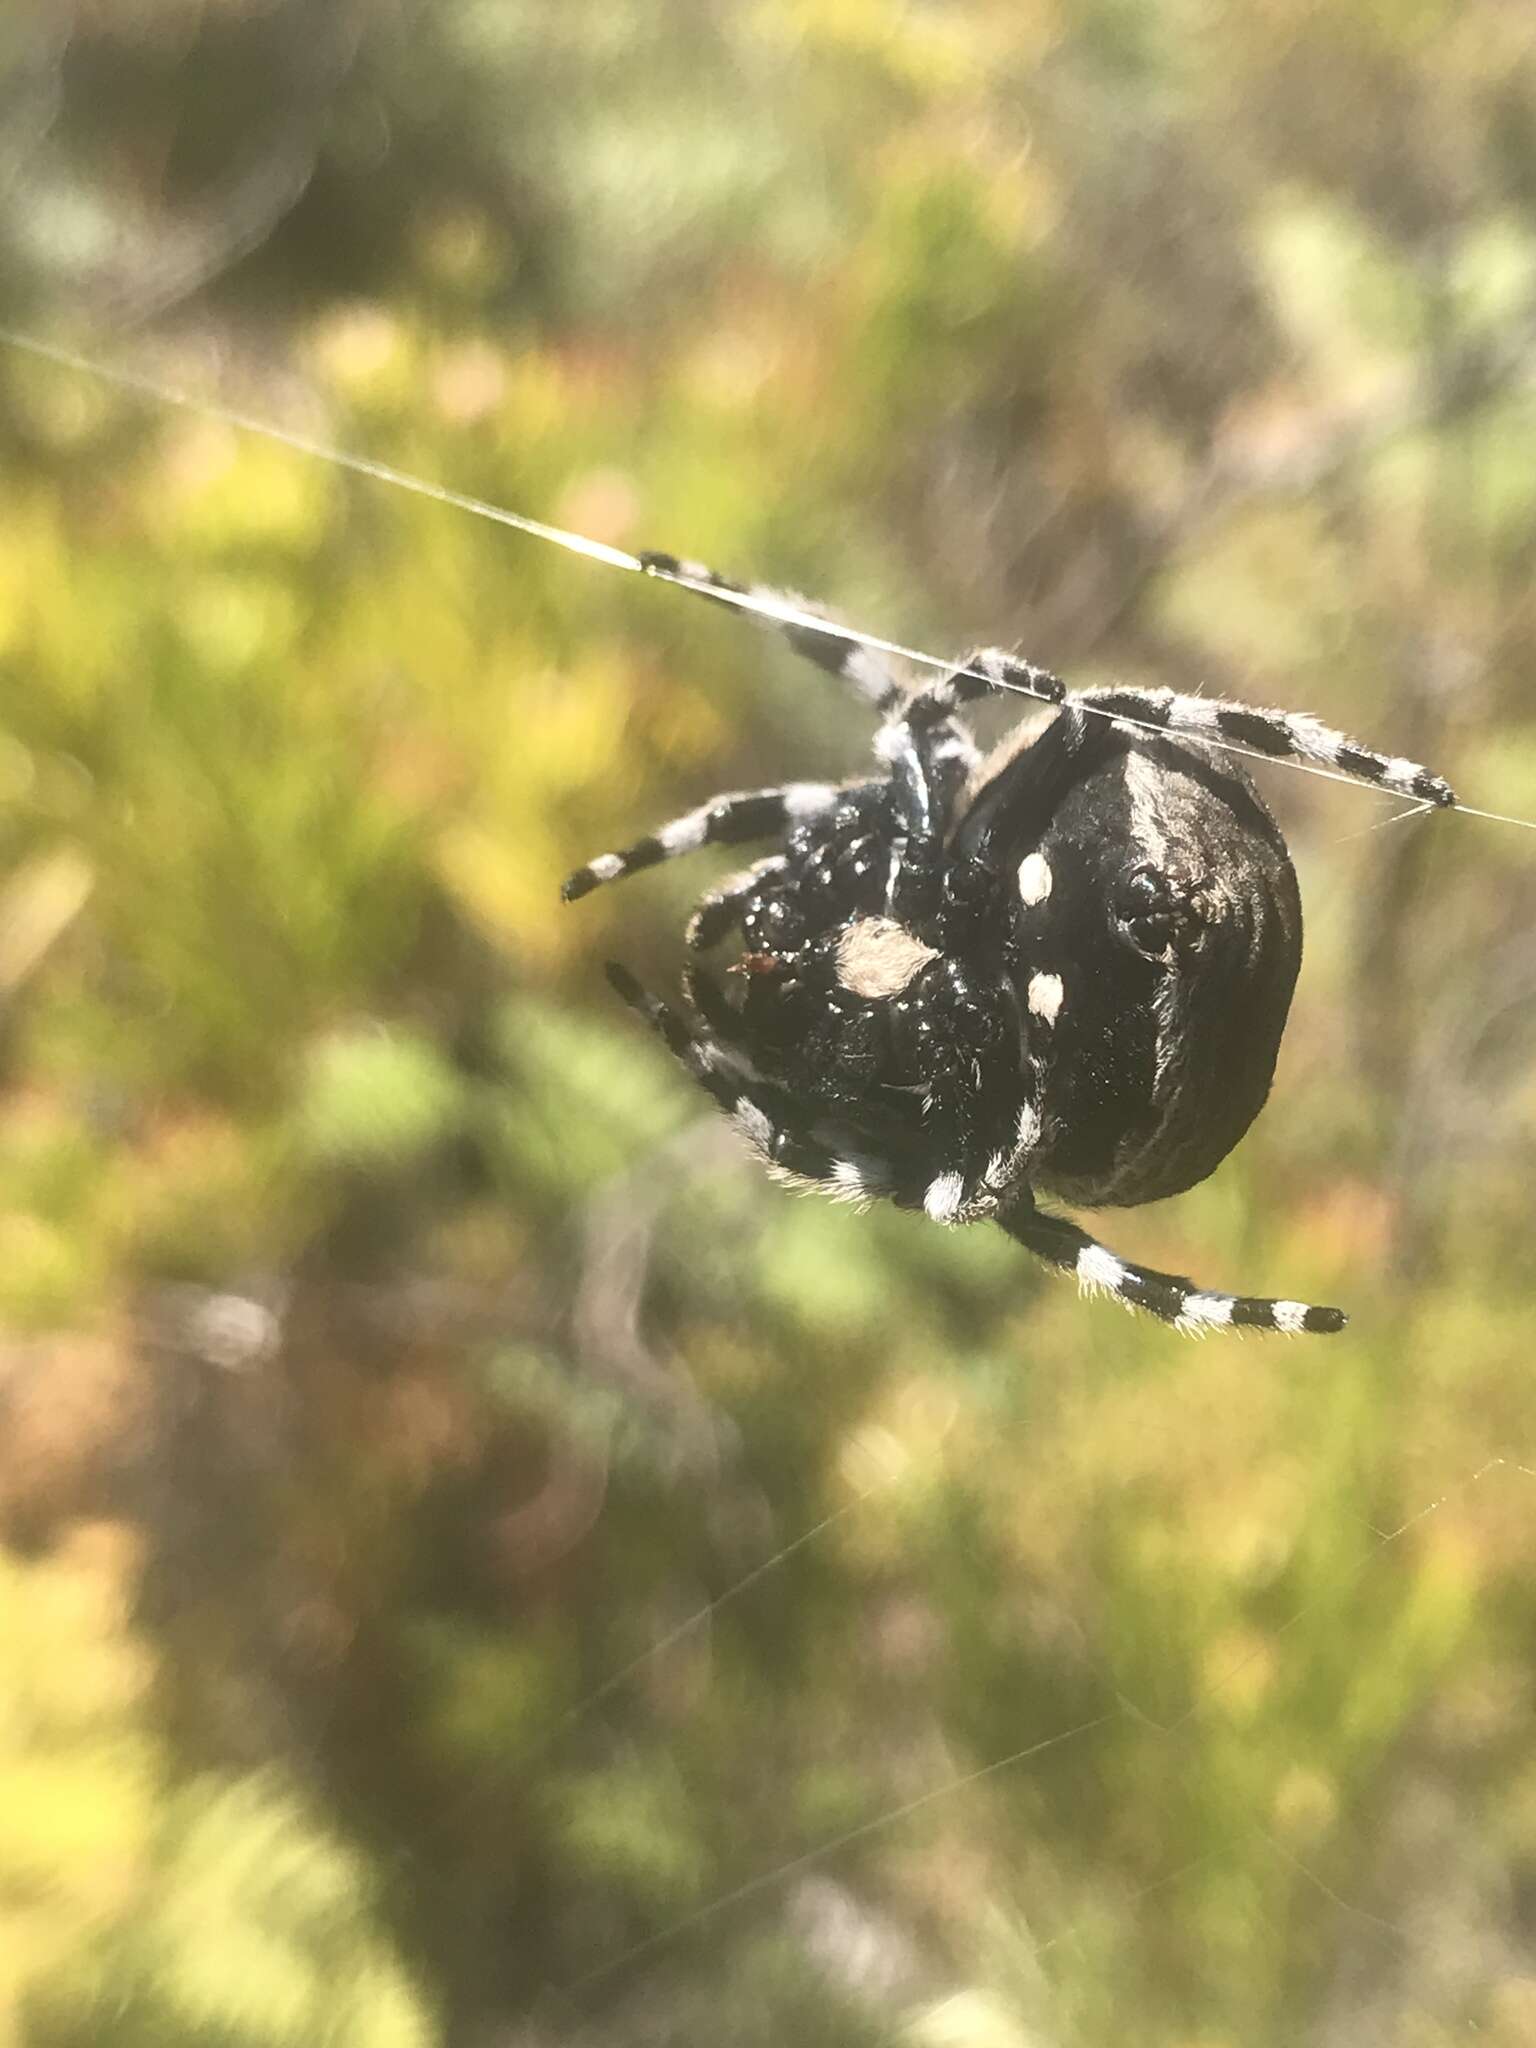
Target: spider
[(1065, 969)]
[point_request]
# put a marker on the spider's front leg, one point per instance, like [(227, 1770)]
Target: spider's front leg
[(833, 649), (1276, 735)]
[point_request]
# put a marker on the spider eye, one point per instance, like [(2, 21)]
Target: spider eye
[(1149, 910)]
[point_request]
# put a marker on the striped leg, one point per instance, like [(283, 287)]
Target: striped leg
[(1008, 1172), (764, 1114), (1283, 735), (830, 649), (985, 672), (1166, 1295), (969, 1192), (931, 753), (723, 821), (1013, 1100)]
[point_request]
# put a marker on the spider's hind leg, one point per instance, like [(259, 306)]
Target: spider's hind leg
[(1168, 1296)]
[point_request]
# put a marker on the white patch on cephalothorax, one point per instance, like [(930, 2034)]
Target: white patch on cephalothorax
[(1034, 879), (1029, 1128), (942, 1200), (892, 741), (1401, 775), (607, 867), (1291, 1317), (1045, 996), (878, 957), (1097, 1268), (1205, 1312)]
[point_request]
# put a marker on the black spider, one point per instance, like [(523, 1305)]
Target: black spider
[(1065, 969)]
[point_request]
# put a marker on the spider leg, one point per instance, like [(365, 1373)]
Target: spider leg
[(1007, 1097), (718, 910), (723, 821), (968, 1191), (920, 797), (931, 754), (951, 753), (765, 1114), (832, 650), (985, 672), (1283, 735), (1168, 1296)]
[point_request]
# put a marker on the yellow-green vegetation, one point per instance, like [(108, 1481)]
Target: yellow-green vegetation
[(394, 1360)]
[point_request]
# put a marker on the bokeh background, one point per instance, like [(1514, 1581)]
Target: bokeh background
[(396, 1366)]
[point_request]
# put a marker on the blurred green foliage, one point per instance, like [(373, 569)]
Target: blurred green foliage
[(395, 1365)]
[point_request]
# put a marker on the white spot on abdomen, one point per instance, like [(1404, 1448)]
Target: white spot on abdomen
[(1045, 996), (1034, 878)]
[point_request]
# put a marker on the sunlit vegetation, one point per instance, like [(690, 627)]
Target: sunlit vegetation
[(394, 1359)]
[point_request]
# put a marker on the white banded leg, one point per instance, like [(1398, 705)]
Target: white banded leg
[(1282, 735), (831, 650), (838, 654), (986, 671), (1168, 1296), (723, 821), (952, 1198), (1007, 1170)]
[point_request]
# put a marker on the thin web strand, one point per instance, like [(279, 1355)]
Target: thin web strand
[(758, 603), (615, 1679), (849, 1835), (1124, 1709), (306, 444)]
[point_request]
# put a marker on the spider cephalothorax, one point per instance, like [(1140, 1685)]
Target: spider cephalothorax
[(1067, 969)]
